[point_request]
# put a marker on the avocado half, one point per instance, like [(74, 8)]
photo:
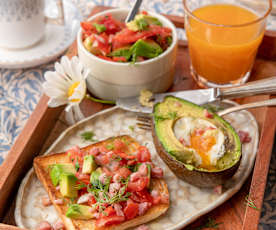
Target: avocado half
[(180, 159)]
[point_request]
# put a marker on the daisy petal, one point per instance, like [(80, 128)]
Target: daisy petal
[(52, 91), (55, 102), (55, 79)]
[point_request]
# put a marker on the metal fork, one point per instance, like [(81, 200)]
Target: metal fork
[(144, 121)]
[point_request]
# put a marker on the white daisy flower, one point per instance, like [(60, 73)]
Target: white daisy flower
[(66, 85)]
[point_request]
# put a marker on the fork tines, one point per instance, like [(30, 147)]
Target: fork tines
[(144, 122)]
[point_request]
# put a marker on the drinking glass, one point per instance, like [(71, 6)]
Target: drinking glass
[(223, 39)]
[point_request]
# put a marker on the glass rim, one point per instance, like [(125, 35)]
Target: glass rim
[(190, 13)]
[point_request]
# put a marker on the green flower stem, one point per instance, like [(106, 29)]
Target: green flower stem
[(99, 100)]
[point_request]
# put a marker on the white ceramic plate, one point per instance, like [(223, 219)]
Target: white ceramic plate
[(55, 41), (187, 202)]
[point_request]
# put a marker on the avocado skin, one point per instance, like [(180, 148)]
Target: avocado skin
[(199, 178)]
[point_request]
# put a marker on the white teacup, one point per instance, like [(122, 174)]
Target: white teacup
[(22, 22)]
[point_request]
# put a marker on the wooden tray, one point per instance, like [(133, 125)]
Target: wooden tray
[(46, 123)]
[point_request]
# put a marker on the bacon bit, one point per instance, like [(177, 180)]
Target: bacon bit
[(218, 190), (58, 225), (46, 201), (57, 188), (143, 207), (244, 136), (157, 172), (44, 225), (142, 227), (118, 209), (94, 151), (207, 114), (59, 201)]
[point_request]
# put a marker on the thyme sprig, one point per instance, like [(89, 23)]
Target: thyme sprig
[(102, 196), (249, 202), (210, 223)]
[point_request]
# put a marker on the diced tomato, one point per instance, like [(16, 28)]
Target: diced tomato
[(144, 12), (109, 211), (106, 221), (132, 162), (85, 178), (131, 210), (102, 159), (141, 196), (112, 25), (124, 172), (86, 25), (126, 156), (119, 59), (76, 155), (91, 200), (107, 171), (127, 36), (138, 185), (119, 145), (143, 154)]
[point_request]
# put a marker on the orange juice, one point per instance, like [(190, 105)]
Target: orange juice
[(223, 53)]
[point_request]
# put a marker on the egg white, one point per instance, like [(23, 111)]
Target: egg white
[(185, 126)]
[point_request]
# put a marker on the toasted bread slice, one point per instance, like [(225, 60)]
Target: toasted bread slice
[(41, 165)]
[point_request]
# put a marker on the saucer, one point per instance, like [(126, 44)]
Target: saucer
[(54, 42)]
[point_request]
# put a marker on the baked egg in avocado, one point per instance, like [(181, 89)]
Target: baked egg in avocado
[(199, 146)]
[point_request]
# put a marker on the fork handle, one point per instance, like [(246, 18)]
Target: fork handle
[(269, 102), (264, 86)]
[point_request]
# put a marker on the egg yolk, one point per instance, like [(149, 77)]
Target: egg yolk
[(203, 144)]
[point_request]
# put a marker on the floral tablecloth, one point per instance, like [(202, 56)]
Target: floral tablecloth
[(20, 91)]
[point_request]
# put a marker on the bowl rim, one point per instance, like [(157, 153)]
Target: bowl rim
[(167, 51)]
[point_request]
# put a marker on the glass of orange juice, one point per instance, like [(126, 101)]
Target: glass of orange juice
[(223, 38)]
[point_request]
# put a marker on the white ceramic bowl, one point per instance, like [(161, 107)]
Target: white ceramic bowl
[(110, 80)]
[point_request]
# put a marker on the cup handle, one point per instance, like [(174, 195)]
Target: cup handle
[(59, 20)]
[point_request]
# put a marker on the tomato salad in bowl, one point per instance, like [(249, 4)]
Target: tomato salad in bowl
[(108, 48), (141, 39)]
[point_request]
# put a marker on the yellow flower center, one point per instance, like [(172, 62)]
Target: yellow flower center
[(72, 89)]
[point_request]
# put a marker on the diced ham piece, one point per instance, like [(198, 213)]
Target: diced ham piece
[(135, 176), (59, 201), (46, 201), (157, 172), (207, 114), (94, 151), (118, 209), (84, 198), (44, 226), (244, 136), (177, 104), (114, 188), (142, 227), (143, 207), (113, 165), (102, 178), (218, 189), (117, 177), (143, 170), (58, 225)]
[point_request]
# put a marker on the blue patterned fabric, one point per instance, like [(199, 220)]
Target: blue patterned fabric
[(20, 91)]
